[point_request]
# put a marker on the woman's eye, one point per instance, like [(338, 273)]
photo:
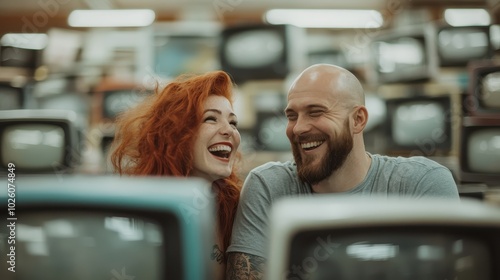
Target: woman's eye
[(210, 119), (234, 123)]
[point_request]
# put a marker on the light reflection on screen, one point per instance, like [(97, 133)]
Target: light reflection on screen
[(490, 94), (390, 256), (87, 245), (253, 49), (33, 146), (401, 54)]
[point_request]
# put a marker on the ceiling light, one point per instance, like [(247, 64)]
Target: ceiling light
[(467, 17), (111, 18), (316, 18)]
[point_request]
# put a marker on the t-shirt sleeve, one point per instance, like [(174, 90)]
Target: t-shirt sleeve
[(437, 182), (250, 225)]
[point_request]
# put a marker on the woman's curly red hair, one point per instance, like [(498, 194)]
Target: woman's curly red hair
[(156, 137)]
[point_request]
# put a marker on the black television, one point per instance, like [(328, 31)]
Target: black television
[(345, 238), (107, 227), (11, 97), (479, 155), (458, 45), (419, 125), (483, 93), (39, 141), (405, 55), (260, 51), (270, 131), (19, 57)]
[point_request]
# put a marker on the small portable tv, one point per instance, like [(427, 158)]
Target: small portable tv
[(405, 55), (458, 45), (260, 51), (479, 155), (11, 97), (365, 238), (483, 96), (419, 125), (39, 140), (107, 227)]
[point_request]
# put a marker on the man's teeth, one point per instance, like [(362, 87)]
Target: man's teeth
[(310, 145), (220, 148)]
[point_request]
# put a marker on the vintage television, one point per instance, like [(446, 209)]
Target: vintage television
[(11, 97), (39, 141), (346, 238), (270, 131), (483, 95), (458, 45), (419, 125), (107, 227), (406, 54), (479, 155), (19, 57), (261, 51)]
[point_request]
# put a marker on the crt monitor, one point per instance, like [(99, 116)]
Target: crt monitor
[(483, 96), (406, 54), (107, 227), (270, 131), (479, 154), (361, 238), (419, 125), (11, 97), (258, 51), (39, 140), (457, 45), (19, 57)]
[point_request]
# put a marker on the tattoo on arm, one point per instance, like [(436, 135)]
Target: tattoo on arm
[(241, 266)]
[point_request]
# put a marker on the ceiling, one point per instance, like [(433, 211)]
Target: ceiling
[(40, 15)]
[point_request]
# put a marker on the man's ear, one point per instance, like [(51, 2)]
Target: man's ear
[(360, 119)]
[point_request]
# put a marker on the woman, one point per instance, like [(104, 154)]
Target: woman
[(186, 129)]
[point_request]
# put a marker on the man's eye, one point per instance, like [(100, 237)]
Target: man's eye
[(316, 113), (291, 117)]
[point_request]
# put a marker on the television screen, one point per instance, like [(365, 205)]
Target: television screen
[(270, 131), (405, 55), (382, 238), (39, 141), (19, 57), (458, 45), (484, 89), (11, 97), (480, 150), (335, 57), (259, 52), (106, 227), (419, 125), (117, 101), (176, 55)]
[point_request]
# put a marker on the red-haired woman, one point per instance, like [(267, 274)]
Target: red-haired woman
[(186, 129)]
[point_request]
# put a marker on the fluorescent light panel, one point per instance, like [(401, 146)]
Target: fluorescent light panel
[(316, 18), (31, 41), (111, 18), (467, 17)]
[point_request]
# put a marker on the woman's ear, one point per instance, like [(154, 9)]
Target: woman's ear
[(360, 119)]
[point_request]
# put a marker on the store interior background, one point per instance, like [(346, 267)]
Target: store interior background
[(75, 67)]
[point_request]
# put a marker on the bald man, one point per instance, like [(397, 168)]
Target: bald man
[(326, 117)]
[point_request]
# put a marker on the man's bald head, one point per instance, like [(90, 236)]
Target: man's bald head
[(333, 79)]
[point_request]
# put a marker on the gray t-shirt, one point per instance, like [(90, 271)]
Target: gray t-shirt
[(387, 176)]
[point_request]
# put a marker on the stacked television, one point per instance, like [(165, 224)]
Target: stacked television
[(479, 154)]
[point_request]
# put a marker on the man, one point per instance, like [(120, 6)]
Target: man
[(326, 117)]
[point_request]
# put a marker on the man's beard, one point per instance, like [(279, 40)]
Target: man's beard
[(335, 157)]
